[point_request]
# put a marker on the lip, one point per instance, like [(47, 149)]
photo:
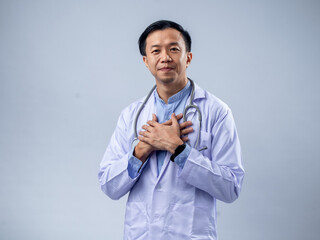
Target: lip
[(165, 69)]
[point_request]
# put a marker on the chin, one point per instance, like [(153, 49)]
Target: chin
[(166, 80)]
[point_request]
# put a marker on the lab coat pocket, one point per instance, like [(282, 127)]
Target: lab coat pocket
[(187, 221), (205, 144), (203, 223), (179, 222), (136, 220)]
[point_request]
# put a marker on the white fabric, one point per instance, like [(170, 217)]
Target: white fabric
[(177, 204)]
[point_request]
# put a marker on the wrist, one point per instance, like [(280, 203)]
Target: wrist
[(174, 145), (141, 153), (177, 151)]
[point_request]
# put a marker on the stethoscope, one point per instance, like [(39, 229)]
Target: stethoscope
[(191, 105)]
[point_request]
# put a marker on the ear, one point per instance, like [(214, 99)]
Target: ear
[(145, 60), (189, 58)]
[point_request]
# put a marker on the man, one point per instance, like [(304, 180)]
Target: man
[(172, 199)]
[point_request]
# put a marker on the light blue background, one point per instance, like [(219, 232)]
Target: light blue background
[(67, 69)]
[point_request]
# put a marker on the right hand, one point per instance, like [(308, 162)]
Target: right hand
[(142, 150)]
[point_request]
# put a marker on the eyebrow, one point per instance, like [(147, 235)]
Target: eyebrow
[(170, 44)]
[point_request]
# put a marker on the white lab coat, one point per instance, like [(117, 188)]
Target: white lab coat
[(179, 203)]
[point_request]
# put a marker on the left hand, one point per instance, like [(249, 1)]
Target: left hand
[(161, 136)]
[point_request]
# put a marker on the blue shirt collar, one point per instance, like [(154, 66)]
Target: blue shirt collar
[(176, 97)]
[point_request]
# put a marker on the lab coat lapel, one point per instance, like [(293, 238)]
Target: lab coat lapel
[(153, 165), (164, 166), (198, 93), (192, 115)]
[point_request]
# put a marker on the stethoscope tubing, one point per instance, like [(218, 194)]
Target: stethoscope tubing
[(191, 105)]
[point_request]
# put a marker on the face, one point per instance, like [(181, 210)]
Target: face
[(166, 56)]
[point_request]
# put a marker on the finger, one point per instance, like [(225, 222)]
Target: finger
[(144, 133), (185, 124), (179, 116), (174, 119), (154, 117), (186, 131), (146, 127), (153, 123), (143, 139), (169, 122), (185, 139)]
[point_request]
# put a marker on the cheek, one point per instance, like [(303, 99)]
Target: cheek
[(152, 67), (155, 64), (183, 61), (182, 64)]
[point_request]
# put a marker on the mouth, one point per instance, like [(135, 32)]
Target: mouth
[(166, 69)]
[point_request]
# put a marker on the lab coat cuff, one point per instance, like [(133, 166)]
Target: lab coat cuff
[(183, 156), (135, 166)]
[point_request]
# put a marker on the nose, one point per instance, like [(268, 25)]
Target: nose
[(165, 57)]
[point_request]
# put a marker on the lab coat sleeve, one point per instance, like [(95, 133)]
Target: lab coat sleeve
[(221, 173), (114, 177)]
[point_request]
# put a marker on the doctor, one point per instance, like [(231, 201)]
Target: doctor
[(173, 179)]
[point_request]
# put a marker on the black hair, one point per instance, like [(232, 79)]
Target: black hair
[(161, 25)]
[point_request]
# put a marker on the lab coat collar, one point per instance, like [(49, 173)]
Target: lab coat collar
[(198, 92)]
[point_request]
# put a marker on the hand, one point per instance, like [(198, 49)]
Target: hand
[(184, 127), (142, 150), (164, 136)]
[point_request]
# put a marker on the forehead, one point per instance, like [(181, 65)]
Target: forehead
[(164, 37)]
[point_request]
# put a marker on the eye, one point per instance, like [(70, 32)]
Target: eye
[(174, 49), (155, 51)]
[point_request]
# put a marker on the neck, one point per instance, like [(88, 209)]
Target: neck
[(166, 90)]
